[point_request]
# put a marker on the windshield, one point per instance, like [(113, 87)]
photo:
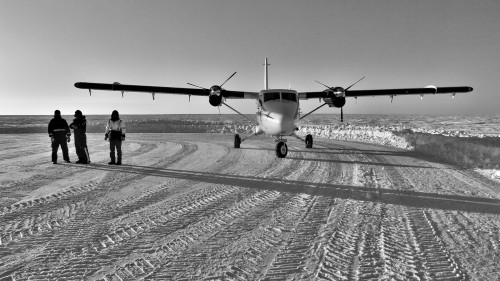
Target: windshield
[(289, 96), (271, 96)]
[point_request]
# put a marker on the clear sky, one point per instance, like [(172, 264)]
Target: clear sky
[(47, 46)]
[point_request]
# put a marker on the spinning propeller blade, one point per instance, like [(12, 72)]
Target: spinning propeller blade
[(197, 86), (324, 85), (354, 83), (228, 79)]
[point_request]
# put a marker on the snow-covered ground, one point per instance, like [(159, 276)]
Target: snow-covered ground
[(479, 152), (460, 147), (191, 207)]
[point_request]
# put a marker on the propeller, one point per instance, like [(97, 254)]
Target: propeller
[(343, 91), (227, 79), (354, 83), (197, 86), (215, 96), (191, 84)]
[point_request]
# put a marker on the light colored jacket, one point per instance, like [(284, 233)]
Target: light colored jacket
[(118, 125)]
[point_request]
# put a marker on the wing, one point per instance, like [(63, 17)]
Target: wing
[(390, 92), (163, 90)]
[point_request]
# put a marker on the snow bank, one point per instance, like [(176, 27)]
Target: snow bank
[(460, 148), (377, 134), (465, 150)]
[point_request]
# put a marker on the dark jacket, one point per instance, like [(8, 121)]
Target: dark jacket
[(79, 125), (58, 127)]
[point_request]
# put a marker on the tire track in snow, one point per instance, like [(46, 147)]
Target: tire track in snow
[(224, 221), (460, 231), (221, 165), (74, 238), (432, 258), (437, 262), (22, 220), (376, 255), (471, 235)]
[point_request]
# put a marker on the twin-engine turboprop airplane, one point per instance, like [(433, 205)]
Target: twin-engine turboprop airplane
[(277, 109)]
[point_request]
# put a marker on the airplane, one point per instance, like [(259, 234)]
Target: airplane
[(278, 111)]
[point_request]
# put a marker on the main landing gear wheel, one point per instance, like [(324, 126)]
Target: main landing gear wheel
[(237, 141), (309, 141), (281, 149)]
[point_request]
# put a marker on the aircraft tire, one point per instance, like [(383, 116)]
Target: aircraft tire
[(281, 149), (309, 141), (237, 141)]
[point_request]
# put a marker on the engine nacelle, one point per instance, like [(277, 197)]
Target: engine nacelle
[(215, 98), (335, 97), (338, 102)]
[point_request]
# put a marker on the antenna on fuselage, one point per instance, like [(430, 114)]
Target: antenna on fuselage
[(266, 85)]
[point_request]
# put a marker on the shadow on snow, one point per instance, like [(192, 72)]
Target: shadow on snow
[(381, 195)]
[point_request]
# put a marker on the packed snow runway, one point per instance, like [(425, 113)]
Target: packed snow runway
[(191, 207)]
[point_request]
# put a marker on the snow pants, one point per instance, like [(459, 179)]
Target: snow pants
[(118, 145), (81, 148), (60, 139)]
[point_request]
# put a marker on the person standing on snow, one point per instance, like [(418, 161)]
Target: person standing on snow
[(79, 127), (115, 131), (59, 134)]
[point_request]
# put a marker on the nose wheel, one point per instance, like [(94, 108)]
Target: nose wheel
[(281, 149)]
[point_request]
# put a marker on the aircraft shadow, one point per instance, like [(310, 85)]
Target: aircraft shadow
[(382, 195)]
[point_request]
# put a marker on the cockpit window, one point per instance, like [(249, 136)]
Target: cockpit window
[(271, 96), (289, 96)]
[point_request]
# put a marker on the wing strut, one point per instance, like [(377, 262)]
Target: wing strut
[(313, 111), (238, 112)]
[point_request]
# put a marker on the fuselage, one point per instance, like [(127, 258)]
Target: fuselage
[(277, 112)]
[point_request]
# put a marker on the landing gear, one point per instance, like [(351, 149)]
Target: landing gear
[(281, 149), (309, 141), (237, 141)]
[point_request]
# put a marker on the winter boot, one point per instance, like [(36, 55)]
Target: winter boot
[(112, 156)]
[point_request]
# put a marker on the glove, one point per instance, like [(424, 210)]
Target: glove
[(69, 138), (105, 136), (123, 137), (52, 139)]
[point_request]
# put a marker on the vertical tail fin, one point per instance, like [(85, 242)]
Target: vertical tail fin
[(266, 85)]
